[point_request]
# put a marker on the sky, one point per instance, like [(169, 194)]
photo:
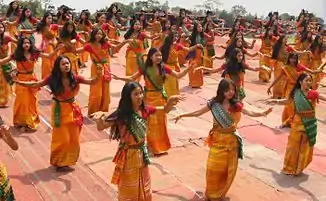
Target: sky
[(261, 7)]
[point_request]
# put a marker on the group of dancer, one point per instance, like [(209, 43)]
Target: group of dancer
[(179, 46)]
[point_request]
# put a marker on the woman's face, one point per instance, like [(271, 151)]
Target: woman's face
[(293, 60), (168, 25), (175, 37), (70, 28), (83, 16), (230, 92), (14, 5), (65, 65), (28, 13), (114, 9), (99, 35), (270, 32), (157, 57), (306, 83), (156, 14), (102, 18), (239, 43), (309, 34), (48, 19), (240, 57), (26, 44), (320, 40), (174, 29), (137, 97), (185, 20), (199, 28), (2, 29), (137, 26)]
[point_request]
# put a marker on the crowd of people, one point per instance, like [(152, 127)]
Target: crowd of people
[(160, 50)]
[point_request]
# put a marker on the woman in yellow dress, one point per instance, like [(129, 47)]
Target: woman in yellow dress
[(318, 49), (25, 114), (154, 72), (83, 29), (67, 118), (49, 33), (303, 133), (291, 71), (225, 143), (156, 25), (5, 79), (137, 47), (12, 15), (304, 45), (128, 125), (69, 37), (184, 32), (170, 50), (6, 191), (98, 48), (268, 40)]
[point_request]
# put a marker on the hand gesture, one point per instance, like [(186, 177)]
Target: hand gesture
[(176, 99), (97, 116), (269, 110), (176, 119)]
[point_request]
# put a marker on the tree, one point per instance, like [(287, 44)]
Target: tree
[(175, 9), (238, 10), (165, 6), (285, 16), (228, 17)]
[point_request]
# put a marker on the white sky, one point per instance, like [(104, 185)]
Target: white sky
[(261, 7)]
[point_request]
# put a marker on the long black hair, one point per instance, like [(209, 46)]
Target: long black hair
[(42, 24), (86, 21), (277, 47), (11, 10), (124, 112), (166, 47), (233, 66), (19, 52), (55, 79), (2, 35), (194, 34), (298, 83), (93, 34), (64, 34), (23, 17), (315, 44), (293, 55), (223, 87), (149, 63), (131, 29)]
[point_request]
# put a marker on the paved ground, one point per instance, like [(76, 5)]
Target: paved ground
[(180, 175)]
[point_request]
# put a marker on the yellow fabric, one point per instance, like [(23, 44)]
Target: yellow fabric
[(171, 84), (26, 103), (304, 59), (315, 63), (65, 145), (99, 94), (266, 48), (196, 78), (49, 43), (298, 153), (222, 162), (207, 60), (5, 186), (183, 53), (278, 88), (131, 60), (131, 174), (13, 32), (74, 61), (157, 135), (5, 88), (84, 55)]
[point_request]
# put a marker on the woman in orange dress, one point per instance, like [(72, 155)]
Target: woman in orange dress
[(114, 22), (304, 45), (5, 79), (98, 48), (67, 118), (6, 191), (12, 15), (69, 37), (25, 24), (137, 47), (268, 40), (184, 33), (156, 25), (83, 29), (25, 114), (49, 33), (303, 133), (170, 50), (318, 49), (225, 142), (291, 71), (128, 125), (154, 72)]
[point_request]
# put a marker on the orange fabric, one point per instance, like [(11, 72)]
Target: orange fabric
[(5, 88), (171, 84), (298, 153), (222, 162), (266, 48), (85, 36), (315, 63), (196, 78), (69, 50), (278, 88), (65, 144), (99, 94), (48, 45), (134, 48), (26, 105), (131, 174), (183, 53)]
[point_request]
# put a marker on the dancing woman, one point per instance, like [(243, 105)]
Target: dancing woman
[(128, 125), (224, 140), (67, 119)]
